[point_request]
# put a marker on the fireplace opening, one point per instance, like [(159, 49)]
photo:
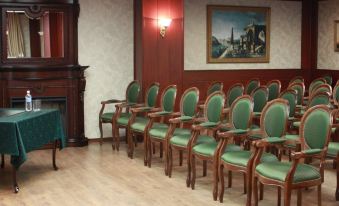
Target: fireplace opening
[(59, 103)]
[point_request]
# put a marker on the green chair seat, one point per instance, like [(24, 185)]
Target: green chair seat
[(333, 149), (235, 131), (241, 158), (208, 149), (159, 131), (279, 170), (255, 136), (107, 117), (124, 118), (182, 140), (209, 124), (139, 124)]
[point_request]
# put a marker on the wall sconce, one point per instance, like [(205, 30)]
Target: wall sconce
[(164, 24)]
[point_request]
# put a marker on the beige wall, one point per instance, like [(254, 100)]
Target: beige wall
[(285, 35), (106, 45), (327, 57)]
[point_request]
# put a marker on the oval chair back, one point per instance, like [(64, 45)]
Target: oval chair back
[(322, 98), (235, 91), (133, 92), (328, 79), (241, 112), (297, 79), (299, 87), (168, 98), (259, 96), (215, 86), (315, 128), (336, 94), (291, 96), (152, 94), (322, 88), (274, 117), (315, 83), (251, 85), (214, 105), (274, 87), (189, 101)]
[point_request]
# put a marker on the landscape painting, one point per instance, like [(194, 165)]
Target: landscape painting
[(336, 35), (238, 34)]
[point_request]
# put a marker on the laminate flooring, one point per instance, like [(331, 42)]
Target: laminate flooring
[(97, 175)]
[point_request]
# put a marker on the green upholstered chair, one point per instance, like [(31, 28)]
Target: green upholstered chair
[(291, 96), (297, 79), (122, 118), (251, 85), (328, 78), (273, 127), (274, 87), (214, 87), (315, 83), (315, 131), (299, 87), (322, 88), (333, 153), (259, 96), (132, 96), (235, 91), (140, 124), (206, 151), (336, 94), (316, 99)]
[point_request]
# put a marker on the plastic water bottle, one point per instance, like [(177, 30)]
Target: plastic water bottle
[(28, 101)]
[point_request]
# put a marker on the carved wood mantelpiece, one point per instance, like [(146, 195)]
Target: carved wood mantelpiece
[(46, 76)]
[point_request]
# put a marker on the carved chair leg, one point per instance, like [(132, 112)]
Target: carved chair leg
[(193, 171), (101, 134), (180, 157), (261, 191), (245, 188), (222, 183), (319, 195), (229, 178), (54, 154), (117, 137), (204, 166), (215, 181), (287, 196), (255, 190), (279, 196), (299, 197), (189, 168), (126, 132), (146, 145), (161, 149), (151, 148), (248, 185), (170, 161), (337, 190), (2, 160), (113, 136)]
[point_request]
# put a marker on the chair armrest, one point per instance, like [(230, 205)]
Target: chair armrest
[(162, 114), (112, 101), (125, 104), (201, 106), (144, 109), (225, 135), (181, 119), (226, 110), (306, 153), (206, 125)]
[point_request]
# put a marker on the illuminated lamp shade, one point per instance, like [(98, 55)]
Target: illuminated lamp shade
[(164, 24)]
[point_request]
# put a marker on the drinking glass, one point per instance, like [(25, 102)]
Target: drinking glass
[(36, 105)]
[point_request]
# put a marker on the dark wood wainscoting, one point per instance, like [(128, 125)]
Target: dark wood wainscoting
[(201, 79), (321, 72)]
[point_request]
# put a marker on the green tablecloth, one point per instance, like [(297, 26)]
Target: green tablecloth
[(27, 131)]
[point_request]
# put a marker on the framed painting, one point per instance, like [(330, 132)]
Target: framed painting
[(336, 35), (238, 34)]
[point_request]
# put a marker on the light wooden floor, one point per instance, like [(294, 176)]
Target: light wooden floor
[(96, 175)]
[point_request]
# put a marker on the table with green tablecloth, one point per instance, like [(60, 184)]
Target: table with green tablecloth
[(26, 131)]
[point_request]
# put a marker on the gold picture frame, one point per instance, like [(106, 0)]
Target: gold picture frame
[(336, 36), (238, 34)]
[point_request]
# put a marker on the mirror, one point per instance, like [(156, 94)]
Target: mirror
[(41, 37)]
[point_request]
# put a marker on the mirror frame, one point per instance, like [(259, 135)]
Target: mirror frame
[(36, 11)]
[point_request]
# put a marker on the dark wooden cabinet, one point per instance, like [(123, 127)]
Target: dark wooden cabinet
[(49, 66)]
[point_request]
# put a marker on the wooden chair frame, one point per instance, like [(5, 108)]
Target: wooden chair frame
[(248, 82), (288, 184), (230, 89), (303, 90), (275, 81), (116, 140), (296, 78)]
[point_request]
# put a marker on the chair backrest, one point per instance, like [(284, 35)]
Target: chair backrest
[(299, 87), (241, 112), (315, 128), (251, 85), (328, 79), (189, 101), (214, 105), (259, 96), (322, 98), (314, 84), (235, 91), (291, 96), (322, 88), (336, 94), (168, 98), (152, 94), (133, 92), (274, 117), (215, 86), (297, 79), (274, 87)]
